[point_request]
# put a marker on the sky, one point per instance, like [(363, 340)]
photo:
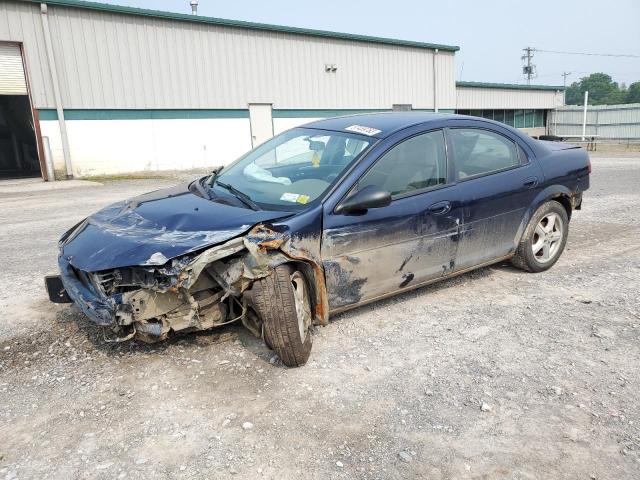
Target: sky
[(490, 33)]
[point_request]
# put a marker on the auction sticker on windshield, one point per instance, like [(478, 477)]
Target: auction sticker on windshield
[(295, 198), (364, 130)]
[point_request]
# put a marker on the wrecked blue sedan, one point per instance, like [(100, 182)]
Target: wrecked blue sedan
[(320, 219)]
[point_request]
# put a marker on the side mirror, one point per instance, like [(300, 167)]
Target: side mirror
[(369, 197)]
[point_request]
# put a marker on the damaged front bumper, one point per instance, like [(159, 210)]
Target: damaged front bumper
[(77, 289), (192, 292)]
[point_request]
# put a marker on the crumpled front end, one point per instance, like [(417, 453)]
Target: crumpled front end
[(193, 292)]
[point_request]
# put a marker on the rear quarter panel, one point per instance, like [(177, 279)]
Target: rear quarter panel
[(566, 173)]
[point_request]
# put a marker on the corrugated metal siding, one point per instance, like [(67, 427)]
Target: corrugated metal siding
[(20, 22), (490, 98), (12, 81), (605, 121), (110, 60), (445, 80)]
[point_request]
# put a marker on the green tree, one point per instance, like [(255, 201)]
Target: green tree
[(633, 93), (602, 90)]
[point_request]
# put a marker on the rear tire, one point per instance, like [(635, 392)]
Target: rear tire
[(544, 239), (282, 302)]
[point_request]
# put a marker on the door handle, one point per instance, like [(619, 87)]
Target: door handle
[(440, 208), (530, 182)]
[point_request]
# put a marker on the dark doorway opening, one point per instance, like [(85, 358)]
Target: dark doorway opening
[(18, 147)]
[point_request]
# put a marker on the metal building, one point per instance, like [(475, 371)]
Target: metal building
[(114, 89)]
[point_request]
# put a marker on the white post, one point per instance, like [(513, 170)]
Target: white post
[(584, 115), (66, 151), (435, 81), (48, 161)]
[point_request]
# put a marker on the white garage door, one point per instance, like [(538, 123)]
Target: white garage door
[(12, 81)]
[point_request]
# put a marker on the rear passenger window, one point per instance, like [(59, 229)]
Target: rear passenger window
[(414, 164), (478, 152)]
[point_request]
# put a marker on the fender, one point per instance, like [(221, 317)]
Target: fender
[(548, 193)]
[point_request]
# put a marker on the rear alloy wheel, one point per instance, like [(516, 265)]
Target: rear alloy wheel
[(544, 238), (547, 238), (282, 302)]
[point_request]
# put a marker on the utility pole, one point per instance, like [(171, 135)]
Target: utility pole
[(529, 68), (564, 85)]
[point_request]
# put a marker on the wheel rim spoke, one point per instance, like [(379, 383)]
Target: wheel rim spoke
[(551, 222), (537, 246)]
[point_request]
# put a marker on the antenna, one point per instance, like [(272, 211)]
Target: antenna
[(528, 69), (194, 7)]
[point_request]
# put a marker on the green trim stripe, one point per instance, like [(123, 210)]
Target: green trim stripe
[(73, 114), (508, 86), (299, 113), (240, 24), (321, 113), (182, 114)]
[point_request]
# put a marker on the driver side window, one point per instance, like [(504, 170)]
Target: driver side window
[(412, 165)]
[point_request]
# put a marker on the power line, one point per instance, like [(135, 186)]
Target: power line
[(619, 55)]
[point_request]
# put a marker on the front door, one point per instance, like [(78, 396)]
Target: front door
[(413, 240)]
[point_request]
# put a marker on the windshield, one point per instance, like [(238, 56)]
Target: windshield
[(294, 168)]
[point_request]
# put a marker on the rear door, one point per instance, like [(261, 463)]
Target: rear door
[(497, 183), (412, 240)]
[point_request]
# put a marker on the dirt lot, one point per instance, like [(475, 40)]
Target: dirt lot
[(495, 374)]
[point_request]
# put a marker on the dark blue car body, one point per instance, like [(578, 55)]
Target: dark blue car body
[(351, 258)]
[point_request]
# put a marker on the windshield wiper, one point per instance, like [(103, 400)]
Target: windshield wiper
[(243, 197), (214, 175)]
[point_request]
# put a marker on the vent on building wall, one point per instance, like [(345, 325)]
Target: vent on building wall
[(330, 67)]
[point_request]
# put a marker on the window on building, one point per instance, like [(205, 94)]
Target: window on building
[(539, 118), (478, 152), (509, 117), (475, 113), (498, 115), (415, 164), (529, 118), (487, 114), (519, 118)]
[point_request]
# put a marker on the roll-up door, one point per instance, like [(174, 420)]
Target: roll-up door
[(12, 79)]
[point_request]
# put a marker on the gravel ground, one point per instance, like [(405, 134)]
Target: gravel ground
[(494, 374)]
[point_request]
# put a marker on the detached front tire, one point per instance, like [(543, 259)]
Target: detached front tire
[(544, 239), (281, 300)]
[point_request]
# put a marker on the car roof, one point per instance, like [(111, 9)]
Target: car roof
[(383, 124), (380, 124)]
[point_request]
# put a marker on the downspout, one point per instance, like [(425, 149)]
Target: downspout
[(435, 81), (56, 90)]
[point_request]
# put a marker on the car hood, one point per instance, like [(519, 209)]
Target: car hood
[(156, 227)]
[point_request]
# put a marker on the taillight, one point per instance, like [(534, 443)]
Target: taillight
[(589, 167)]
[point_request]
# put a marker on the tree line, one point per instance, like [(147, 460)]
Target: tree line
[(602, 91)]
